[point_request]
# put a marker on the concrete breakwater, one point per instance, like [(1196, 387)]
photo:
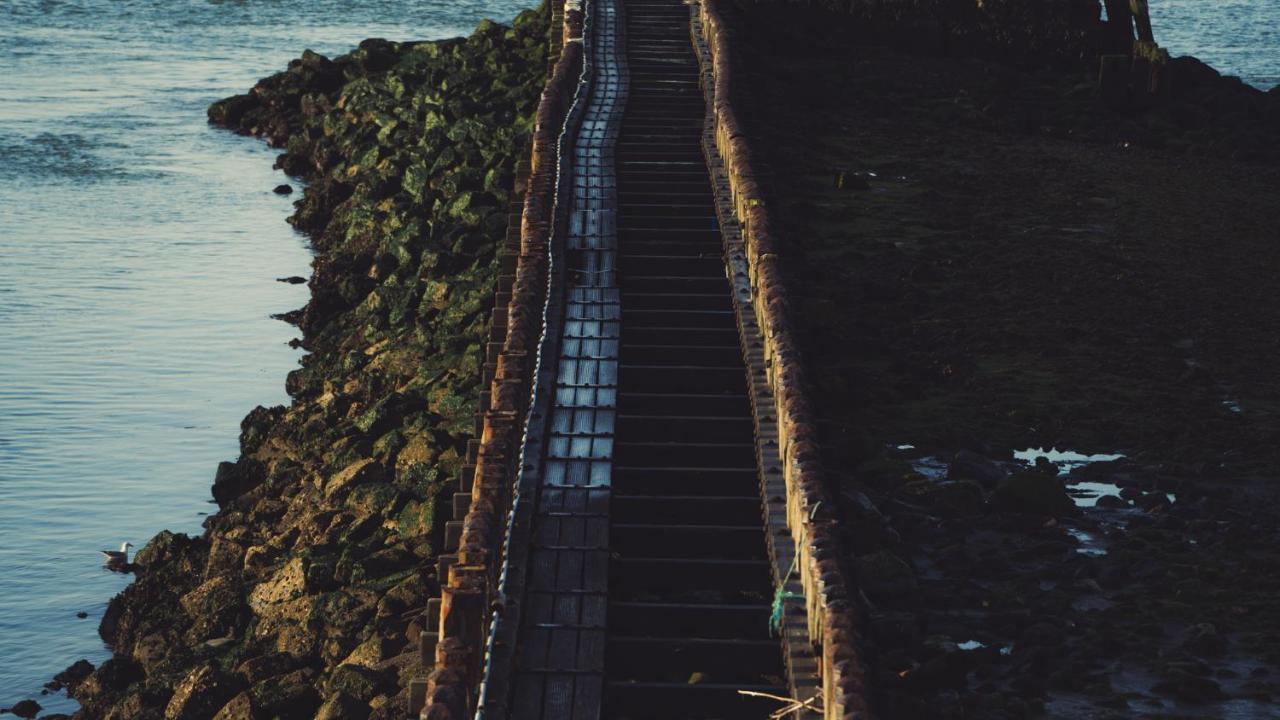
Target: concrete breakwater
[(296, 600)]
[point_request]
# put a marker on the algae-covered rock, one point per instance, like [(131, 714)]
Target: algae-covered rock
[(325, 520), (201, 694)]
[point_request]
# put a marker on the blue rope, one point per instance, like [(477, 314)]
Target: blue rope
[(779, 596)]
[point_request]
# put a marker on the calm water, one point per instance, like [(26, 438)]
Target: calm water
[(138, 251), (138, 255), (1238, 37)]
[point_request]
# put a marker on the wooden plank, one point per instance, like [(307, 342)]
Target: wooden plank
[(596, 532), (539, 608), (573, 531), (547, 531), (558, 698), (536, 647), (563, 652), (590, 651), (542, 569), (569, 570), (588, 697), (593, 610), (568, 609), (596, 571)]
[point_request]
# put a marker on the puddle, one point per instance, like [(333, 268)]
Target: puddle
[(930, 467), (979, 645), (1086, 493), (1090, 544), (1065, 460)]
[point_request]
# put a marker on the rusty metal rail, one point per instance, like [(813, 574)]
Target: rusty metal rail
[(645, 531)]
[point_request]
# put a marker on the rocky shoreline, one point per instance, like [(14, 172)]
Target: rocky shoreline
[(302, 595), (1015, 262)]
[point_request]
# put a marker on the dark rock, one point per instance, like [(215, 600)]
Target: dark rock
[(216, 608), (75, 673), (885, 577), (1033, 492), (26, 709), (956, 499), (1039, 635), (82, 614), (1190, 688), (201, 694), (241, 707), (1111, 501), (341, 706), (884, 474), (292, 280), (229, 112), (235, 479), (1204, 639), (355, 681), (1154, 502), (261, 668), (288, 697), (283, 189), (111, 676), (293, 317), (968, 465)]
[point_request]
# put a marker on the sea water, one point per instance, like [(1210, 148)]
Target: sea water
[(139, 251)]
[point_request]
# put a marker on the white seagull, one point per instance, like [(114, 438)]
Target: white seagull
[(116, 558)]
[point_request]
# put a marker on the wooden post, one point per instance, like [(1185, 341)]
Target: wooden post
[(1119, 27), (462, 620), (1142, 19)]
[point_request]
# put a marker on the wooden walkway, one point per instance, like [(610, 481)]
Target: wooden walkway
[(638, 583), (560, 661)]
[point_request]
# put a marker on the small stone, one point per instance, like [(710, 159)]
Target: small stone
[(82, 614), (1111, 501), (283, 190)]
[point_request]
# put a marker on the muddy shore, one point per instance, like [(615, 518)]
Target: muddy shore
[(302, 597), (991, 258)]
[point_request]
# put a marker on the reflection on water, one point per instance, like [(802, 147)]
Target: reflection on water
[(138, 255)]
